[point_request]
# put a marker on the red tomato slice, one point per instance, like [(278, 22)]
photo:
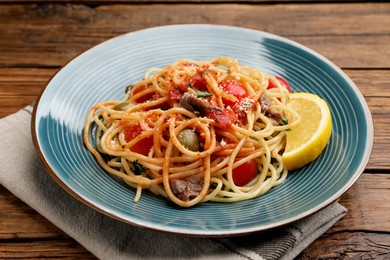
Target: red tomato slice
[(175, 93), (234, 88), (223, 118), (198, 82), (143, 98), (244, 173), (143, 146), (283, 83)]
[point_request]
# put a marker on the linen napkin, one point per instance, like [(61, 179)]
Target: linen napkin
[(22, 173)]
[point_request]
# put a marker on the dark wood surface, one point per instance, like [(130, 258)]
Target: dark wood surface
[(38, 37)]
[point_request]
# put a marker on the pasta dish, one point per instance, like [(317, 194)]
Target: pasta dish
[(196, 131)]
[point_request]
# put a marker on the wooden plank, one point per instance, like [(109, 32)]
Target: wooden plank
[(366, 210), (374, 86), (37, 36), (98, 2), (357, 245), (356, 236), (16, 82), (12, 105), (368, 52), (349, 245), (41, 249), (36, 39), (26, 234), (20, 87), (13, 210)]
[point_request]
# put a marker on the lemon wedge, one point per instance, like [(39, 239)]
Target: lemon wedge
[(306, 140)]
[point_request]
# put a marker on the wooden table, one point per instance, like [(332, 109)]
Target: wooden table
[(37, 37)]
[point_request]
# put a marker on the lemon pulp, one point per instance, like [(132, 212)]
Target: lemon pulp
[(306, 140)]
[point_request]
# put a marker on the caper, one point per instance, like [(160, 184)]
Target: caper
[(189, 139)]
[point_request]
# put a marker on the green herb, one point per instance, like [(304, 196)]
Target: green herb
[(199, 94), (284, 120), (138, 168), (202, 94)]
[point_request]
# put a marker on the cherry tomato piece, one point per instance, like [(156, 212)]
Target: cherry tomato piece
[(223, 118), (244, 173), (144, 145), (198, 82), (283, 83), (175, 93), (143, 98), (234, 88)]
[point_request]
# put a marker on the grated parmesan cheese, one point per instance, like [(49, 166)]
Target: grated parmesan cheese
[(113, 143)]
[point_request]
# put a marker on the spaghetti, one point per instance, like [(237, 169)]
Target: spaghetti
[(195, 132)]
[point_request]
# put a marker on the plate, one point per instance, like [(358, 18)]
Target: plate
[(103, 72)]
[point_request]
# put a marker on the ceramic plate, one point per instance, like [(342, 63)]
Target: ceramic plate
[(103, 72)]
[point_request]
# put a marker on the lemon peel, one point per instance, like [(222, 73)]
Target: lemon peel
[(306, 140)]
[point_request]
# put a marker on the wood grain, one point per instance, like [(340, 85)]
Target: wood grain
[(364, 233), (374, 85), (44, 249), (363, 209), (41, 238), (349, 245), (20, 87), (37, 36), (99, 2)]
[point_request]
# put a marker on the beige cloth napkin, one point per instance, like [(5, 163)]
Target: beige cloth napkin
[(22, 173)]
